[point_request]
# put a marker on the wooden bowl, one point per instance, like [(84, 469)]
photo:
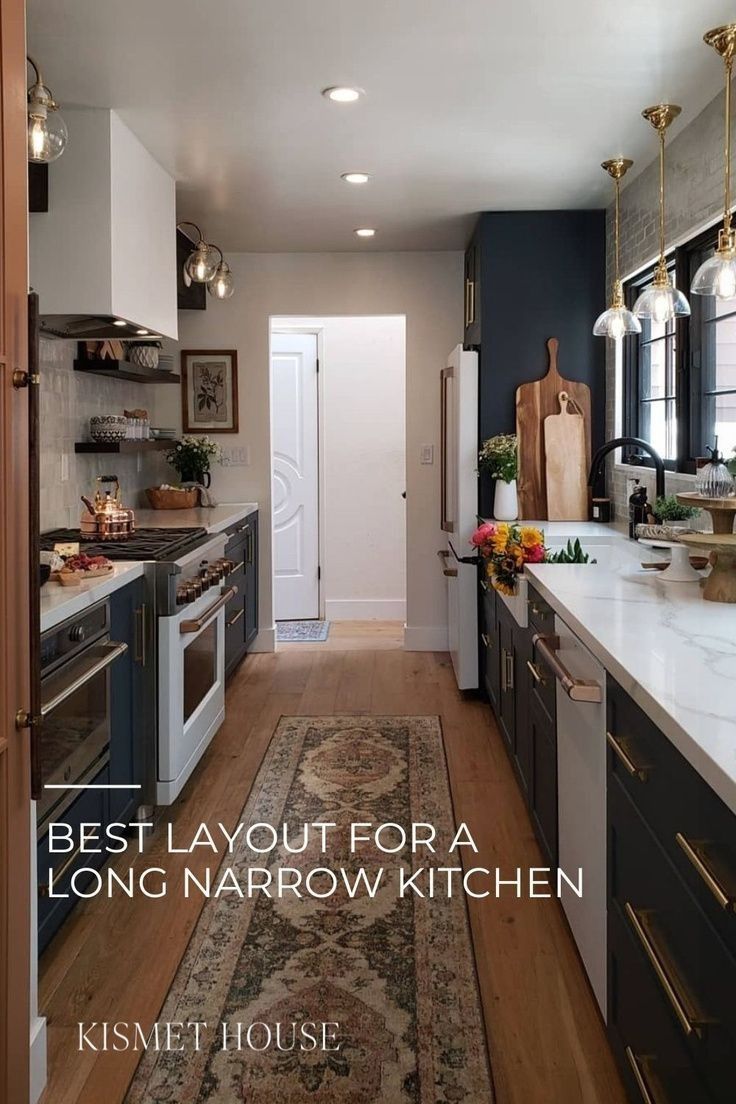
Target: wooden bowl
[(185, 499)]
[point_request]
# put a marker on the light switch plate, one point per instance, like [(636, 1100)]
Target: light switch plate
[(426, 454)]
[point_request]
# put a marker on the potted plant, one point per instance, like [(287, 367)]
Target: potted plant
[(192, 456), (499, 457), (668, 511)]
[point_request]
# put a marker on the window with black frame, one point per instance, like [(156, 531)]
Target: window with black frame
[(651, 374)]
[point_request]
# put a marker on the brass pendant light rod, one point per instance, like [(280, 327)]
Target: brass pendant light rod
[(723, 41), (617, 167), (660, 116)]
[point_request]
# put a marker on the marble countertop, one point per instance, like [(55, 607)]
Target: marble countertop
[(59, 602), (671, 651), (215, 519)]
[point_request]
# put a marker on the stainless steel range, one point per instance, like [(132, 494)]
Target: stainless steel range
[(187, 575)]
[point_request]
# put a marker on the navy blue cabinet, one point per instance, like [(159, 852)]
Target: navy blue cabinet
[(529, 276), (241, 612), (671, 916)]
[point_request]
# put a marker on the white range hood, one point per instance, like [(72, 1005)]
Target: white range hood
[(106, 248)]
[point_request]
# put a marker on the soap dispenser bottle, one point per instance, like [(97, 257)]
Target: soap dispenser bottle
[(638, 508)]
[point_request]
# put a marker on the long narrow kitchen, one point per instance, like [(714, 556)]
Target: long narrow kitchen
[(382, 480)]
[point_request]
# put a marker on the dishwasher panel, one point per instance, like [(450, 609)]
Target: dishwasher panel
[(581, 773)]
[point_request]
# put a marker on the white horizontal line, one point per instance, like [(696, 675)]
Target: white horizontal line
[(92, 786)]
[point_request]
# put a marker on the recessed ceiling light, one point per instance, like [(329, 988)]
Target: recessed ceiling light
[(341, 93), (355, 177), (120, 322), (365, 232), (143, 333)]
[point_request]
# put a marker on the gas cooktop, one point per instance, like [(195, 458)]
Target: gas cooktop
[(144, 544)]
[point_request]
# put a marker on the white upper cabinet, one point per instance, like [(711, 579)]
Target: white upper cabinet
[(106, 248)]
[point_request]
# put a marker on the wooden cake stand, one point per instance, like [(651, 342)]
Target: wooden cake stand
[(720, 586), (722, 510)]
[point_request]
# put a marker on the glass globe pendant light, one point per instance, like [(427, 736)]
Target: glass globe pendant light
[(661, 302), (717, 275), (47, 133), (617, 320), (201, 264), (222, 285)]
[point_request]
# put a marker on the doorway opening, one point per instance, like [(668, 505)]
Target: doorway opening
[(338, 453)]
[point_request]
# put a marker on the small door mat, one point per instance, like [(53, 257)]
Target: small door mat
[(301, 632)]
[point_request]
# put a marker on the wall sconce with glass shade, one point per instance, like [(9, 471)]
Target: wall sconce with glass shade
[(617, 320), (717, 275), (661, 302), (206, 264), (47, 133)]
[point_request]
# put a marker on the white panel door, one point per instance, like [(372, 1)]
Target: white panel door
[(295, 476)]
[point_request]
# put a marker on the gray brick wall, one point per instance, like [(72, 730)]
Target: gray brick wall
[(694, 192)]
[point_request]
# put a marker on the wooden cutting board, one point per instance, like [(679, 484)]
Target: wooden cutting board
[(566, 472), (534, 402)]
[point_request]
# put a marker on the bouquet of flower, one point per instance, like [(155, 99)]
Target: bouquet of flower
[(191, 457), (499, 456), (506, 548)]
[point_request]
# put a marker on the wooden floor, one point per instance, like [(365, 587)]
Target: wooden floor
[(115, 960), (352, 636)]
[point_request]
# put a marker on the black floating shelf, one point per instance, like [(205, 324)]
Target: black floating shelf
[(124, 370), (123, 446)]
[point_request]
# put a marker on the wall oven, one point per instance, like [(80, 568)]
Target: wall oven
[(74, 734), (191, 656)]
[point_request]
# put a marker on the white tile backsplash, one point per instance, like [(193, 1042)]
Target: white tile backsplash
[(67, 401)]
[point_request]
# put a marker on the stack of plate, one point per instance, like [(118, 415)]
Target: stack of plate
[(163, 434), (166, 362)]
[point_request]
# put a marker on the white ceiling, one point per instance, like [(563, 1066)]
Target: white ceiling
[(471, 105)]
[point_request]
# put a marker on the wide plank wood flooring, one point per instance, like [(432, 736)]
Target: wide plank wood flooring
[(115, 959)]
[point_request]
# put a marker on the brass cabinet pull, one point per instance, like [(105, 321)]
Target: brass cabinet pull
[(235, 617), (577, 689), (690, 1021), (632, 768), (200, 623), (694, 851), (504, 671), (484, 637), (644, 1088), (450, 572), (507, 669), (141, 632), (56, 875), (484, 585), (238, 567), (536, 673)]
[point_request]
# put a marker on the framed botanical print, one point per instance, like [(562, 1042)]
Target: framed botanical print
[(209, 391)]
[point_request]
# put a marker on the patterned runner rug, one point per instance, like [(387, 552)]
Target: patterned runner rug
[(306, 632), (397, 974)]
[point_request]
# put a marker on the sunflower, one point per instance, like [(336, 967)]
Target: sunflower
[(530, 536), (500, 538)]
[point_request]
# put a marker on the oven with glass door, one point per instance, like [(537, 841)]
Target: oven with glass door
[(191, 675), (74, 733)]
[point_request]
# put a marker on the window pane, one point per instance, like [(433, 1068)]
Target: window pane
[(725, 358), (653, 426), (652, 370), (724, 418)]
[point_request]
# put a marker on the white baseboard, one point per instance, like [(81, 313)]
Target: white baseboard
[(265, 641), (365, 609), (38, 1058), (425, 638)]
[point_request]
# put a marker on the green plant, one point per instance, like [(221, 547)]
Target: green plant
[(193, 455), (667, 508), (571, 554), (498, 456)]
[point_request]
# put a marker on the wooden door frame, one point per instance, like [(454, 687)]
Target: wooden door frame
[(15, 574)]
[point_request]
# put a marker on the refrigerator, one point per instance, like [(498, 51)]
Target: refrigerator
[(458, 508)]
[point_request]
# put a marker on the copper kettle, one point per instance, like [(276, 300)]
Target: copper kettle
[(107, 519)]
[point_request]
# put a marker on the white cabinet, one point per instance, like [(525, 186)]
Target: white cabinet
[(107, 245)]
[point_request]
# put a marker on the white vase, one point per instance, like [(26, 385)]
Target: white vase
[(505, 501)]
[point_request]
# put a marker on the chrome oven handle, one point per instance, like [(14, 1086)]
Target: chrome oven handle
[(579, 690), (112, 652), (196, 625)]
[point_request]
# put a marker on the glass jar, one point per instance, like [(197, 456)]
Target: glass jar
[(714, 480)]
